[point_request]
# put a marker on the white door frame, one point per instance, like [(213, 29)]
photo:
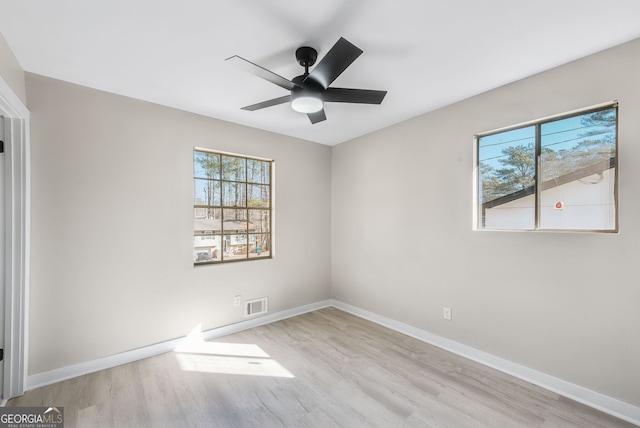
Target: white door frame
[(17, 240)]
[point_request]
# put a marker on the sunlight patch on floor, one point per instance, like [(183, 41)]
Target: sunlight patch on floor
[(236, 365), (196, 355), (217, 348)]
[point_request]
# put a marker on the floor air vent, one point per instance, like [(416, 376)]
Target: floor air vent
[(255, 307)]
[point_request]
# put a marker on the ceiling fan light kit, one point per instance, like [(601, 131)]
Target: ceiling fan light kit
[(306, 104), (309, 91)]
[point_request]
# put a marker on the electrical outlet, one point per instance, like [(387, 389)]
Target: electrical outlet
[(446, 313), (237, 301)]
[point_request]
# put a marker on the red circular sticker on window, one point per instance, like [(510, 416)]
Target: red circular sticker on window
[(559, 205)]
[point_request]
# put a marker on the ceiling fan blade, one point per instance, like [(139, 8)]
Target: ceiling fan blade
[(261, 72), (317, 116), (339, 57), (347, 95), (269, 103)]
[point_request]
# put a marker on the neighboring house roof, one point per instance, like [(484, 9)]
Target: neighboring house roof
[(595, 168), (213, 224)]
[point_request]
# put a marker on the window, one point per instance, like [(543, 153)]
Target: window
[(232, 207), (554, 174)]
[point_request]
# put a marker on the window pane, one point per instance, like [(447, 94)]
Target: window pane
[(258, 195), (259, 245), (259, 220), (578, 161), (234, 168), (257, 171), (235, 247), (206, 165), (206, 192), (207, 221), (235, 220), (506, 170), (234, 194), (206, 249)]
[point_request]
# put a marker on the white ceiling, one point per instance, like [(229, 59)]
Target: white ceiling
[(426, 54)]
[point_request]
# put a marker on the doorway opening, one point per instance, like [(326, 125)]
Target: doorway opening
[(14, 223)]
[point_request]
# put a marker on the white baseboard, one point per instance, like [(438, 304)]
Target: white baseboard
[(612, 406), (68, 372), (583, 395)]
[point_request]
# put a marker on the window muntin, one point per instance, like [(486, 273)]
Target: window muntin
[(575, 158), (232, 207)]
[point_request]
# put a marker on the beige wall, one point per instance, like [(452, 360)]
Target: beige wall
[(403, 245), (112, 223), (10, 70)]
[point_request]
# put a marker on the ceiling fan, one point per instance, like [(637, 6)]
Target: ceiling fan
[(309, 91)]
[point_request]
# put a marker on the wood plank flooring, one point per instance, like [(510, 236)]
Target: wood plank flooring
[(323, 369)]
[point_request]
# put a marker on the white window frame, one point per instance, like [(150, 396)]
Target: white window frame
[(477, 185)]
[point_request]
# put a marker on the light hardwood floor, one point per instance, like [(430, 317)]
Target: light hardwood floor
[(323, 369)]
